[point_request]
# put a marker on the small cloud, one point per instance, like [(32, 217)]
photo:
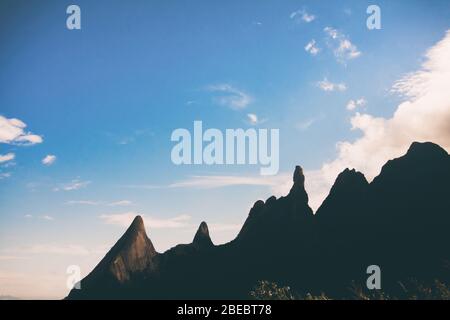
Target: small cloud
[(257, 23), (304, 125), (7, 157), (12, 131), (312, 48), (49, 160), (120, 203), (353, 104), (326, 85), (75, 184), (28, 216), (254, 120), (231, 97), (302, 16), (341, 45), (48, 218)]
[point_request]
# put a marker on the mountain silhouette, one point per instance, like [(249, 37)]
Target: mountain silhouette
[(399, 221)]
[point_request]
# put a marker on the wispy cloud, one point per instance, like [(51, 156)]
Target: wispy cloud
[(12, 131), (215, 181), (353, 104), (49, 160), (120, 203), (302, 16), (326, 85), (341, 45), (312, 48), (7, 157), (75, 184), (47, 217), (230, 96), (304, 125)]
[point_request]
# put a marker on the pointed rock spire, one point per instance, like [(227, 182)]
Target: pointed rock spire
[(202, 238), (298, 192), (132, 253), (299, 177)]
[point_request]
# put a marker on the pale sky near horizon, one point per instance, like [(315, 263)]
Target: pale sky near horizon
[(86, 115)]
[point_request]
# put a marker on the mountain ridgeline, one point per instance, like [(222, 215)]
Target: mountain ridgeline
[(400, 222)]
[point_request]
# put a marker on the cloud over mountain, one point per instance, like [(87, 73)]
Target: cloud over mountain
[(423, 116)]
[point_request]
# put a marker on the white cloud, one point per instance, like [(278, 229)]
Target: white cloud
[(302, 15), (75, 184), (423, 116), (12, 132), (125, 219), (341, 45), (231, 96), (326, 85), (7, 157), (28, 216), (47, 217), (353, 104), (312, 48), (49, 160), (254, 120)]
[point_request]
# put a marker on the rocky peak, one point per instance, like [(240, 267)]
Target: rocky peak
[(133, 253), (426, 149), (298, 192), (202, 237), (299, 177), (350, 178)]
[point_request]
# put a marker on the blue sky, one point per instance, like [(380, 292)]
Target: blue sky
[(105, 100)]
